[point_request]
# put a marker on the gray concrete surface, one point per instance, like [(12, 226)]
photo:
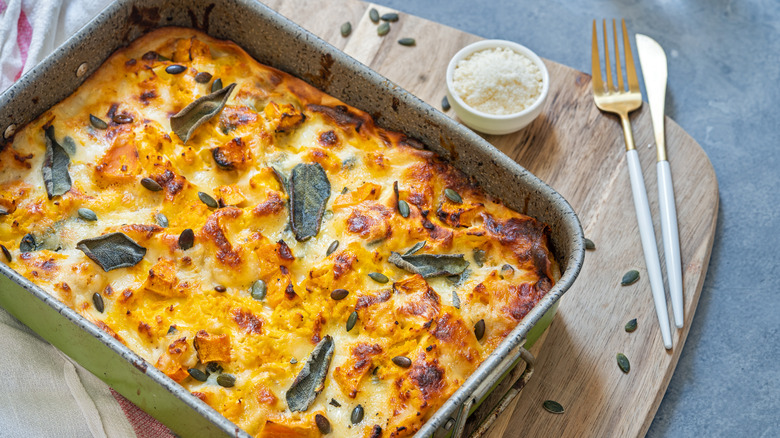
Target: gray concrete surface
[(724, 88)]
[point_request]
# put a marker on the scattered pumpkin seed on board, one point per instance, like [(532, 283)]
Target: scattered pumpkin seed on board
[(390, 16), (445, 104), (589, 244), (346, 29), (623, 363), (630, 277), (383, 29), (552, 406), (407, 42), (631, 325), (373, 14)]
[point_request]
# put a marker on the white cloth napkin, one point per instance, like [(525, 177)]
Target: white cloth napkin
[(44, 393)]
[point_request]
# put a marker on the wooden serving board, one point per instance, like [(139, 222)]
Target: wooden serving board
[(580, 152)]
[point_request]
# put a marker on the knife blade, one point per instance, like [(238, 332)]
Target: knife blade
[(652, 59)]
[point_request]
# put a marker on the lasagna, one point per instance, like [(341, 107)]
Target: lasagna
[(268, 247)]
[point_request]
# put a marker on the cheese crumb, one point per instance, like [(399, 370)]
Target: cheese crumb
[(498, 81)]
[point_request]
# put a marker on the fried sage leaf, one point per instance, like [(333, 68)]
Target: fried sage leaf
[(311, 380), (55, 166), (430, 265), (186, 121), (112, 251), (309, 192)]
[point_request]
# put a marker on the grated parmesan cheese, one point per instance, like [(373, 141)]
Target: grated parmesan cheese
[(498, 81)]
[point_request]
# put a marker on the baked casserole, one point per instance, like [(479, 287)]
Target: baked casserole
[(293, 265)]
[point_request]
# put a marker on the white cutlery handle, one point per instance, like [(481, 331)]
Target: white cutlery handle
[(671, 240), (649, 245)]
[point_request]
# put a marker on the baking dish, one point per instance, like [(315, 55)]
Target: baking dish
[(275, 41)]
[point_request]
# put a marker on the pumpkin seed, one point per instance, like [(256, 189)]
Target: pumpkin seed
[(97, 300), (623, 363), (208, 200), (417, 246), (333, 402), (322, 424), (631, 325), (455, 300), (402, 361), (150, 184), (6, 253), (172, 330), (479, 257), (198, 375), (378, 277), (445, 104), (185, 122), (352, 320), (630, 277), (430, 265), (357, 414), (403, 208), (333, 246), (97, 123), (453, 196), (589, 244), (213, 367), (259, 290), (161, 219), (87, 214), (339, 294), (373, 14), (186, 239), (216, 85), (112, 251), (122, 119), (479, 329), (175, 69), (226, 380), (383, 29), (202, 77), (293, 361), (310, 381), (346, 29), (553, 407), (219, 288), (28, 243), (407, 42), (55, 166), (390, 16), (309, 192)]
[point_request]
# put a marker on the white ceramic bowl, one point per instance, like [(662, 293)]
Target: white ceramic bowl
[(492, 123)]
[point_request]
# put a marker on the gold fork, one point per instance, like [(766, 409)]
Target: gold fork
[(618, 100)]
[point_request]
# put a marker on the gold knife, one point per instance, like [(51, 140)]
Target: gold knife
[(653, 61)]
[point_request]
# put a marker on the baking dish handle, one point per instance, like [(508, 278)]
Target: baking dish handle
[(501, 406)]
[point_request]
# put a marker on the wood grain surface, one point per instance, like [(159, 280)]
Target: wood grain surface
[(580, 152)]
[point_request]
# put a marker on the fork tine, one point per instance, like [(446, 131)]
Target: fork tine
[(618, 68), (608, 69), (595, 68), (633, 82)]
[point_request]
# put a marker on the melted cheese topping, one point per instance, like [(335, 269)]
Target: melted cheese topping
[(182, 309)]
